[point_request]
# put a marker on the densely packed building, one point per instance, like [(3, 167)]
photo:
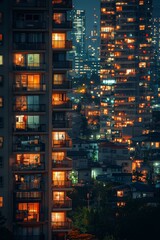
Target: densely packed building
[(34, 117), (126, 59)]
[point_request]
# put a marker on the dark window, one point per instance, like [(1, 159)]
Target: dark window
[(1, 161), (1, 81), (1, 17), (1, 181), (1, 122)]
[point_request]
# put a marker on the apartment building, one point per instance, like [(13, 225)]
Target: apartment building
[(35, 117), (126, 57)]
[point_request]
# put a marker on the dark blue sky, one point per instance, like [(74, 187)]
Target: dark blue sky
[(89, 5)]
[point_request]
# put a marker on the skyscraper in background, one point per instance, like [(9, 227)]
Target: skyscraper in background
[(126, 57), (78, 36), (34, 116)]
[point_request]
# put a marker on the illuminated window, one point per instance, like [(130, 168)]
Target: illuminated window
[(119, 9), (141, 2), (1, 38), (57, 218), (1, 201), (59, 18), (58, 78), (30, 82), (142, 65), (120, 193), (29, 211), (130, 19), (142, 27), (1, 59), (58, 40), (58, 178), (1, 102), (107, 29), (33, 60), (58, 156), (28, 159), (58, 196)]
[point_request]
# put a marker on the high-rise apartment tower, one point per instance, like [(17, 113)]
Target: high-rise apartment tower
[(34, 118), (126, 57)]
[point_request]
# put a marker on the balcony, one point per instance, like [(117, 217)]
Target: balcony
[(61, 144), (62, 85), (61, 45), (28, 186), (39, 67), (29, 108), (29, 46), (28, 4), (24, 127), (62, 204), (64, 105), (62, 25), (62, 226), (61, 184), (59, 4), (20, 87), (59, 65), (28, 217), (28, 146), (19, 24), (66, 163), (28, 167), (61, 124), (28, 196)]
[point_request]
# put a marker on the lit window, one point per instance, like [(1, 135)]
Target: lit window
[(33, 60), (142, 65), (141, 2), (1, 201), (119, 9), (59, 18), (58, 40), (142, 27), (58, 78), (1, 102), (1, 59), (1, 141), (1, 38)]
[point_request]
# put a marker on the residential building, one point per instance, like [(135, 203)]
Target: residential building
[(34, 107), (126, 57)]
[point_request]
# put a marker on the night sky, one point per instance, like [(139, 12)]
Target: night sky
[(89, 5)]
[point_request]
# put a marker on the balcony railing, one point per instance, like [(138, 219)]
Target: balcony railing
[(29, 88), (23, 127), (29, 3), (29, 46), (61, 143), (33, 67), (67, 163), (28, 196), (62, 44), (62, 204), (67, 225), (18, 24), (61, 124), (29, 108), (64, 25), (27, 147), (63, 105), (62, 65), (26, 216), (64, 85), (23, 186), (28, 167), (62, 3), (62, 183)]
